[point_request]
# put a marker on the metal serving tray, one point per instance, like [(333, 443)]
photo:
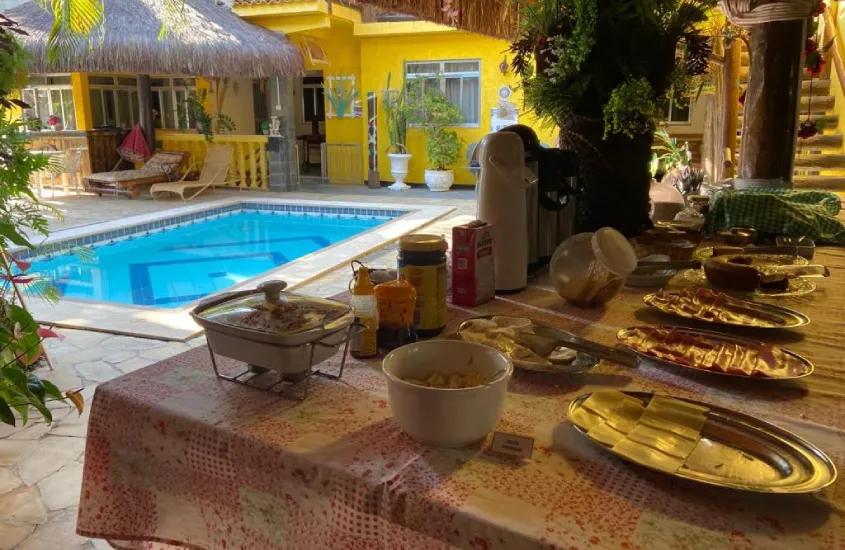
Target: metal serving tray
[(738, 451), (808, 366), (789, 317)]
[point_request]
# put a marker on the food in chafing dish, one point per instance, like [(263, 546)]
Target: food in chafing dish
[(282, 317), (516, 338), (712, 353), (705, 305), (453, 382)]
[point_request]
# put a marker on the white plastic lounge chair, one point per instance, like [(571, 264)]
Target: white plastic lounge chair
[(215, 171)]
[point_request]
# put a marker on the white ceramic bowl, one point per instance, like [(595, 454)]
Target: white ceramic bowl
[(446, 417)]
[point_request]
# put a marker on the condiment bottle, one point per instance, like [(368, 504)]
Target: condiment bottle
[(364, 341), (396, 301), (422, 261)]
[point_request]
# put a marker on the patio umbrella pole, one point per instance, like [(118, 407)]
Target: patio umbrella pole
[(145, 109)]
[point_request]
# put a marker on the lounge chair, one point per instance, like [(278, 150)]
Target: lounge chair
[(161, 167), (215, 171)]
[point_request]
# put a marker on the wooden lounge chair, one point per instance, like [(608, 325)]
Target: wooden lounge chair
[(215, 171), (161, 167)]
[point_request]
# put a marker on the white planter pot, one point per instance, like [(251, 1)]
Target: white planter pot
[(399, 170), (439, 180)]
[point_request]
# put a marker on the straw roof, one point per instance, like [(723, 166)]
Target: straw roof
[(209, 40), (497, 18)]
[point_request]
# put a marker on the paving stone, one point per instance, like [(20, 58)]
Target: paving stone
[(13, 533), (58, 534), (61, 489), (33, 431), (119, 356), (8, 480), (22, 505), (101, 544), (64, 377), (98, 371), (75, 425), (13, 449), (6, 430), (50, 455), (126, 343), (164, 352), (134, 364)]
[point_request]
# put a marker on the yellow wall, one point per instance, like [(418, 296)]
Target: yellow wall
[(380, 56), (237, 104)]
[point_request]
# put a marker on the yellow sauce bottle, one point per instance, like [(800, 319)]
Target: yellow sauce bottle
[(364, 341)]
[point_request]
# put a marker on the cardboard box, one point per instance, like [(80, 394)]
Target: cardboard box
[(473, 276)]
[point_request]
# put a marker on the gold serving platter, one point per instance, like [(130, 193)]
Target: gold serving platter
[(716, 353), (737, 451), (797, 287), (705, 253), (721, 309)]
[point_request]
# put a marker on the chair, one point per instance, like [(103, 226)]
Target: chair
[(73, 168), (215, 171), (163, 166)]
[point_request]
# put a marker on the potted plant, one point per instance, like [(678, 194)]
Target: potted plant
[(600, 71), (206, 124), (435, 113), (395, 105), (55, 122)]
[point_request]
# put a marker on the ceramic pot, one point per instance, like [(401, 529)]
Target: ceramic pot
[(399, 170), (439, 180)]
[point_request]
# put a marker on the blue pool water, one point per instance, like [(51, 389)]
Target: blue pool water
[(182, 264)]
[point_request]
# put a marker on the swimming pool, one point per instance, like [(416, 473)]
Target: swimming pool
[(173, 262)]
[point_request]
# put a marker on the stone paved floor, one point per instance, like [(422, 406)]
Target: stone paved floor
[(41, 464)]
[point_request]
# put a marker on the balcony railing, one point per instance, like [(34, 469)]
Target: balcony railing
[(249, 154)]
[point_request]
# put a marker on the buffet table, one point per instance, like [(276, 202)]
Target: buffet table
[(175, 455)]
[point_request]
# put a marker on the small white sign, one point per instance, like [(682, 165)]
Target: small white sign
[(513, 445)]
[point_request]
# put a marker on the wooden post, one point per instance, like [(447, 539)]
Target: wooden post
[(772, 100), (730, 106), (145, 110)]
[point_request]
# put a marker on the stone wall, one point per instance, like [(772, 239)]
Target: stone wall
[(281, 150)]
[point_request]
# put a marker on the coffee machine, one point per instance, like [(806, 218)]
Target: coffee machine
[(550, 205)]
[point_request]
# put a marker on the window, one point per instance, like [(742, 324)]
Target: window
[(114, 101), (169, 96), (460, 81), (50, 95), (313, 99), (674, 114)]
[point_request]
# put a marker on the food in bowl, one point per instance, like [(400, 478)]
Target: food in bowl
[(454, 381), (443, 416)]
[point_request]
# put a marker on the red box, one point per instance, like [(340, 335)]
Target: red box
[(473, 277)]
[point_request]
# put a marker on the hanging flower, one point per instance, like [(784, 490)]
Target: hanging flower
[(742, 97), (807, 129), (820, 9), (810, 46), (21, 264), (814, 64), (44, 332), (17, 279)]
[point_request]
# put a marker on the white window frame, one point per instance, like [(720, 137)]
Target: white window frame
[(112, 88), (314, 97), (686, 122), (50, 88), (171, 88), (442, 74)]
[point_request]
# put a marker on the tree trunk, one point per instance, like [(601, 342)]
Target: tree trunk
[(730, 106), (145, 110), (771, 101), (614, 174)]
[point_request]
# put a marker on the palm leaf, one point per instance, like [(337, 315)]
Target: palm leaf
[(73, 23)]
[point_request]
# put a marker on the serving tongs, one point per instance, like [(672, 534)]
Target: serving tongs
[(562, 338)]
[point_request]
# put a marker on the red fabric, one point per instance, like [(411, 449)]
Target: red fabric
[(134, 147)]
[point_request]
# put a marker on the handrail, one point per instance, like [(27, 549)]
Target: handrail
[(249, 154), (830, 26)]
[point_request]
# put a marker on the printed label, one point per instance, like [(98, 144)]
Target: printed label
[(513, 445), (430, 283)]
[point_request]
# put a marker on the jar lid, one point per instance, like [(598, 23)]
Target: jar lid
[(422, 243), (614, 251)]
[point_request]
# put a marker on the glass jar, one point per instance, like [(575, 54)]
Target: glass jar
[(422, 262)]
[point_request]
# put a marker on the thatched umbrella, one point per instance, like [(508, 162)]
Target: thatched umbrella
[(206, 40)]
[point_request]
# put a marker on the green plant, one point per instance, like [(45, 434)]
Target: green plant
[(396, 110), (669, 153), (434, 112), (21, 215), (205, 123), (599, 70), (342, 99)]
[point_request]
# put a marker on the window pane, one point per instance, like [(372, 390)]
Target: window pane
[(59, 80), (28, 97), (680, 114), (111, 114), (156, 106), (471, 100), (181, 110), (423, 68), (101, 80), (70, 114), (97, 108), (126, 81), (43, 104), (56, 103), (123, 117), (460, 67), (167, 109), (35, 80), (321, 104)]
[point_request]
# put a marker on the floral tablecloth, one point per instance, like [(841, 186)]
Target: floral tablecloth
[(176, 456)]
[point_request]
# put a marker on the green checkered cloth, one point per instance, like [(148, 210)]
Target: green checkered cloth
[(779, 211)]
